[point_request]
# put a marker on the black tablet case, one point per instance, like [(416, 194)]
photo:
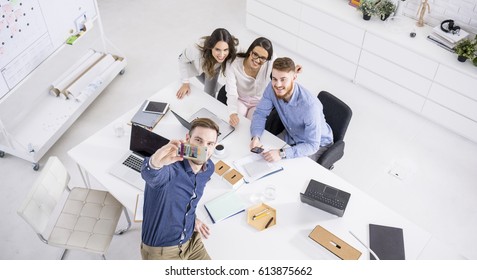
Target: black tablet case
[(386, 242)]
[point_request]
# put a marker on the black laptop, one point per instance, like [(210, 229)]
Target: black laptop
[(143, 144)]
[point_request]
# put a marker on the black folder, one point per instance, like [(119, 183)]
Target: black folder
[(386, 242)]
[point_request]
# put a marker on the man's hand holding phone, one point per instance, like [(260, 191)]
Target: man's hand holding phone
[(166, 155), (257, 150)]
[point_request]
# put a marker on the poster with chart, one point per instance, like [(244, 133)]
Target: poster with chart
[(24, 41)]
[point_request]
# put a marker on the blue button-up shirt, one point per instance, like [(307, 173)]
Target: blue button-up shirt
[(170, 200), (302, 116)]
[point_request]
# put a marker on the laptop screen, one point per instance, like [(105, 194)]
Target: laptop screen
[(145, 142), (184, 123)]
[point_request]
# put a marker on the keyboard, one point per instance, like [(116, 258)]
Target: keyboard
[(332, 201), (134, 163), (327, 198)]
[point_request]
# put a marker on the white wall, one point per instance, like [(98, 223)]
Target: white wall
[(463, 12)]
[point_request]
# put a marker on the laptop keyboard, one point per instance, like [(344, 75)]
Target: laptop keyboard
[(133, 162), (318, 195)]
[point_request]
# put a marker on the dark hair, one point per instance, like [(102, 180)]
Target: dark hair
[(203, 122), (219, 34), (261, 42), (284, 64)]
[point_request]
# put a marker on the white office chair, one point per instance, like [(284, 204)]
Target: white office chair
[(81, 218)]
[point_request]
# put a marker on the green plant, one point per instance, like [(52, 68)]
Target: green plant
[(384, 8), (466, 48), (368, 7)]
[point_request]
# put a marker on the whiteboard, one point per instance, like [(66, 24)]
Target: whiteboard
[(32, 30)]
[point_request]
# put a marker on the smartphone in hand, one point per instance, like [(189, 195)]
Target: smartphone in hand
[(192, 152), (257, 150)]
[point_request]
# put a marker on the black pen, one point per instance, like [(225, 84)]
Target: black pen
[(269, 222)]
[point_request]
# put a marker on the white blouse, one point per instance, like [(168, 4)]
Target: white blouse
[(241, 86)]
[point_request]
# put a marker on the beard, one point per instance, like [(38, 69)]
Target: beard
[(285, 96)]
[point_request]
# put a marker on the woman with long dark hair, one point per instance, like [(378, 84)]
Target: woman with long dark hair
[(206, 59)]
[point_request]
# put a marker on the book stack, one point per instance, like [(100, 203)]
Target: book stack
[(446, 40)]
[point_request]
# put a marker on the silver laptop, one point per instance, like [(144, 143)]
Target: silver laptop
[(143, 144), (224, 127)]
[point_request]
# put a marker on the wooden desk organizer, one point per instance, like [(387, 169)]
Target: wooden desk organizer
[(221, 168), (334, 244), (263, 220)]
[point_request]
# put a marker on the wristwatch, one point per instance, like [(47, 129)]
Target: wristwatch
[(283, 154)]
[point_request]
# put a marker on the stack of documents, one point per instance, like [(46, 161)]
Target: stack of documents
[(446, 40), (145, 119)]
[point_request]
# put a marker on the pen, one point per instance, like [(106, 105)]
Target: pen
[(260, 214), (269, 222)]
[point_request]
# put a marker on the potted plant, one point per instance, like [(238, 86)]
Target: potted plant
[(465, 49), (385, 8), (368, 8)]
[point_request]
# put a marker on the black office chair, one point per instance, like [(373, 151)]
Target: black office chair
[(338, 116), (222, 95)]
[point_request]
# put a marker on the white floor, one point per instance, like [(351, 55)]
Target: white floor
[(437, 188)]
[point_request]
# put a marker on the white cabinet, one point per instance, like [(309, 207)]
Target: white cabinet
[(411, 72), (452, 102)]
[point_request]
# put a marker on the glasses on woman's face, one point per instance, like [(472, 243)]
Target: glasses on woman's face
[(256, 56)]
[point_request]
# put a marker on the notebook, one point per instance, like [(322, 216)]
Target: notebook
[(254, 167), (224, 206), (386, 242), (224, 127), (145, 119), (143, 144)]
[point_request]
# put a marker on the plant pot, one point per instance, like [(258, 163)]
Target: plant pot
[(461, 58), (366, 17), (384, 17)]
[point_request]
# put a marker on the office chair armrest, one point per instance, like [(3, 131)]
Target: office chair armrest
[(332, 155)]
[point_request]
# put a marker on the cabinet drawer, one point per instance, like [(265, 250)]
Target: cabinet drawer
[(274, 17), (332, 25), (291, 8), (395, 73), (330, 43), (400, 56), (456, 102), (457, 81), (390, 90), (326, 59), (451, 120), (276, 35)]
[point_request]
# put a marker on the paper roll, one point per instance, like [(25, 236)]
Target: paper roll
[(97, 82), (90, 75), (74, 72)]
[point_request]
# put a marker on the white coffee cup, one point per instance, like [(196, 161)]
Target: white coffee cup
[(219, 149)]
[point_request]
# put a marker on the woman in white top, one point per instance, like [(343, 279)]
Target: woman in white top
[(247, 77), (206, 59)]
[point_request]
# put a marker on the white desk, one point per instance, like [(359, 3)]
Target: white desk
[(233, 238)]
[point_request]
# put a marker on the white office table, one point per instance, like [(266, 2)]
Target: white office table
[(233, 238)]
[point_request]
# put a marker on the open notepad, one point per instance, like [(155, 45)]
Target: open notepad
[(224, 206), (254, 167)]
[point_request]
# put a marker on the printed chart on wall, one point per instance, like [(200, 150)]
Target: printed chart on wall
[(24, 41)]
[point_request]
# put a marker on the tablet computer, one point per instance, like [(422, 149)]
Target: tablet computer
[(156, 107)]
